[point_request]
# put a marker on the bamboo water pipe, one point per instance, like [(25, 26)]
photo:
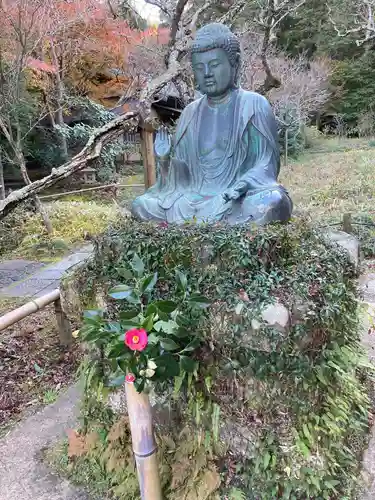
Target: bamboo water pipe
[(143, 440)]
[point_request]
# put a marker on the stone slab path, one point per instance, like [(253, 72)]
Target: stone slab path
[(23, 475), (22, 278)]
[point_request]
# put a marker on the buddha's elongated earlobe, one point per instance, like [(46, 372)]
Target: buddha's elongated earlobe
[(237, 71)]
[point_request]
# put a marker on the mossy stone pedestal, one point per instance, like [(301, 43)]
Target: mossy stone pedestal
[(280, 356)]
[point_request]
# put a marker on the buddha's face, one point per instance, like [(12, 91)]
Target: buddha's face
[(213, 72)]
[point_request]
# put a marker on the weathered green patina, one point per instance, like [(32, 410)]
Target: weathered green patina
[(226, 161)]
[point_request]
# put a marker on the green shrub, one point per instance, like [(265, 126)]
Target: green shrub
[(355, 83), (12, 227), (300, 393), (313, 137), (291, 131)]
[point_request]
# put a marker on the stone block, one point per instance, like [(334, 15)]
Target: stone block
[(348, 243)]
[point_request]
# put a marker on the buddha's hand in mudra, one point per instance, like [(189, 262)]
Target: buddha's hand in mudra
[(163, 144), (236, 191)]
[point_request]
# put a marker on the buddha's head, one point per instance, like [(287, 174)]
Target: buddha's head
[(216, 57)]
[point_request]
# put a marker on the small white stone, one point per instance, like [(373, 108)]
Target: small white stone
[(276, 315), (255, 325)]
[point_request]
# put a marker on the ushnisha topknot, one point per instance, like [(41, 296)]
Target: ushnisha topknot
[(217, 36)]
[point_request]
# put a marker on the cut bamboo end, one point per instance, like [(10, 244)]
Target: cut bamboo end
[(143, 441)]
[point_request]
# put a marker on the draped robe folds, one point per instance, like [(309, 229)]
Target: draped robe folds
[(195, 183)]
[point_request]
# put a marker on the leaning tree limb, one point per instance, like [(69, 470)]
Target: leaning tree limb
[(115, 128), (90, 152)]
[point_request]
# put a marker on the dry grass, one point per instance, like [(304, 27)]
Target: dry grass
[(75, 218), (9, 303), (329, 184), (322, 143), (73, 222)]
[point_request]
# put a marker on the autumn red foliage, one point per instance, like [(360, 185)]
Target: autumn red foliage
[(79, 39)]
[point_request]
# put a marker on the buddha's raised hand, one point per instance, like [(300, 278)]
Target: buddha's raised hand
[(163, 144)]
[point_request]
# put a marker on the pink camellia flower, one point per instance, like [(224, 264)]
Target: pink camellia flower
[(130, 378), (136, 339)]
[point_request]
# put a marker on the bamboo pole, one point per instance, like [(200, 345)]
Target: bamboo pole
[(31, 307), (144, 445), (56, 195)]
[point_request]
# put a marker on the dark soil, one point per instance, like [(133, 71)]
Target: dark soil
[(33, 366)]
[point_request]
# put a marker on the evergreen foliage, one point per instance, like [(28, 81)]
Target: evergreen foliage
[(92, 116), (311, 33), (355, 81), (300, 394), (291, 131)]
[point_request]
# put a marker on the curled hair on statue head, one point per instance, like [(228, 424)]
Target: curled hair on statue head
[(219, 36)]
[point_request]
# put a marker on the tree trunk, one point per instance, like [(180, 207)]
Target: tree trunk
[(286, 147), (2, 183), (38, 204), (43, 212), (60, 99)]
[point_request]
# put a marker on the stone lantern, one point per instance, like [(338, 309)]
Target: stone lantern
[(88, 175)]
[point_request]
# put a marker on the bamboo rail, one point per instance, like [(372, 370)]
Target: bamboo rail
[(12, 317), (56, 195), (138, 404)]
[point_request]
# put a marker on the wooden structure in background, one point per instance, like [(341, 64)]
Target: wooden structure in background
[(147, 134), (148, 156), (88, 175), (167, 110)]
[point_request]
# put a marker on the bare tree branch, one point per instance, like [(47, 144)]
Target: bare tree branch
[(91, 151), (160, 5), (176, 19), (102, 136), (193, 22), (270, 81), (112, 9), (114, 129), (363, 18), (232, 13)]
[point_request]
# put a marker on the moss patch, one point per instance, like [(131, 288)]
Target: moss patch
[(23, 233)]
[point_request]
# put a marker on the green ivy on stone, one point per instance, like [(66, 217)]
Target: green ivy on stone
[(304, 395)]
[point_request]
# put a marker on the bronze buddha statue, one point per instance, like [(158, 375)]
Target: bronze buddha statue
[(226, 160)]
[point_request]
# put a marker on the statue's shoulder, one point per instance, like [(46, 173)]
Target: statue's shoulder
[(186, 117), (191, 108), (255, 101)]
